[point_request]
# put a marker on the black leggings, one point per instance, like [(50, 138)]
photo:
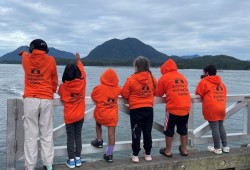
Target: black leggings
[(141, 119)]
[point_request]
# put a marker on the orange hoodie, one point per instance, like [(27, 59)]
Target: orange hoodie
[(139, 90), (72, 93), (175, 86), (213, 93), (40, 80), (106, 95)]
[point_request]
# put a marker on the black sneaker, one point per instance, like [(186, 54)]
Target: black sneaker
[(96, 143), (108, 158)]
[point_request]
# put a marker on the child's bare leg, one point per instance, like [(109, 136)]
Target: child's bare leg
[(111, 143), (98, 142), (98, 132), (168, 145), (111, 134), (184, 143)]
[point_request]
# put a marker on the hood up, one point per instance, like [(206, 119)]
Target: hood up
[(109, 77), (168, 66)]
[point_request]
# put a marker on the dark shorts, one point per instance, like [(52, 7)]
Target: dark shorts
[(180, 121)]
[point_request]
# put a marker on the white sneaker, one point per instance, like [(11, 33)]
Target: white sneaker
[(226, 149), (147, 157), (212, 149), (134, 159)]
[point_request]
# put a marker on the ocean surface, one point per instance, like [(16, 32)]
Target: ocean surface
[(11, 86)]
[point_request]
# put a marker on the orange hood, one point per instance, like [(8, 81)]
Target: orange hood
[(37, 56), (168, 66), (214, 79), (74, 86), (109, 77), (142, 77)]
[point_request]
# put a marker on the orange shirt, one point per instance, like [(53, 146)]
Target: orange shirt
[(40, 80), (72, 94), (139, 90), (106, 95), (175, 86), (213, 93)]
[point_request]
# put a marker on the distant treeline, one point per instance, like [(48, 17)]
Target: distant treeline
[(220, 61)]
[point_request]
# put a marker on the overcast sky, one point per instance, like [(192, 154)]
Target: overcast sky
[(177, 27)]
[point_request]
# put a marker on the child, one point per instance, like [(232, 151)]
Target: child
[(178, 103), (106, 112), (72, 93), (213, 94), (39, 88), (139, 90)]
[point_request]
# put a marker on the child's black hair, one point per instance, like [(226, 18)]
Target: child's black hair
[(71, 72), (210, 69)]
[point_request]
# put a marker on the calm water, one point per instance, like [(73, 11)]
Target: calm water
[(11, 86)]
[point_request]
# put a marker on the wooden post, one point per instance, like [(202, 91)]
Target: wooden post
[(11, 134)]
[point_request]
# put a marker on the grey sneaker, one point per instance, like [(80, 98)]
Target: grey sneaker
[(212, 149), (225, 149), (96, 143)]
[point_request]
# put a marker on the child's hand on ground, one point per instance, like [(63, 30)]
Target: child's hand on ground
[(77, 56)]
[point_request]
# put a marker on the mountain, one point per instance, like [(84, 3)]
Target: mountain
[(13, 56), (61, 54), (190, 56), (123, 52)]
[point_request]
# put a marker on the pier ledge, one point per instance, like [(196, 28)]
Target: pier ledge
[(237, 159)]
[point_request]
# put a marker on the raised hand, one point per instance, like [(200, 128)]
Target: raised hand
[(77, 56)]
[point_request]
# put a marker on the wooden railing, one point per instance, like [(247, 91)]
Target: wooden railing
[(196, 135)]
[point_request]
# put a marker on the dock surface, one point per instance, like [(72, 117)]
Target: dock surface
[(238, 159)]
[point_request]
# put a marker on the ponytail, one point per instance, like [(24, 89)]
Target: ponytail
[(152, 78)]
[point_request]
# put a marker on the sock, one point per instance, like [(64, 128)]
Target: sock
[(110, 149), (99, 140), (71, 160), (49, 167), (77, 158)]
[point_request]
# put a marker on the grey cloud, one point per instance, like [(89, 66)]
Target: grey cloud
[(173, 27)]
